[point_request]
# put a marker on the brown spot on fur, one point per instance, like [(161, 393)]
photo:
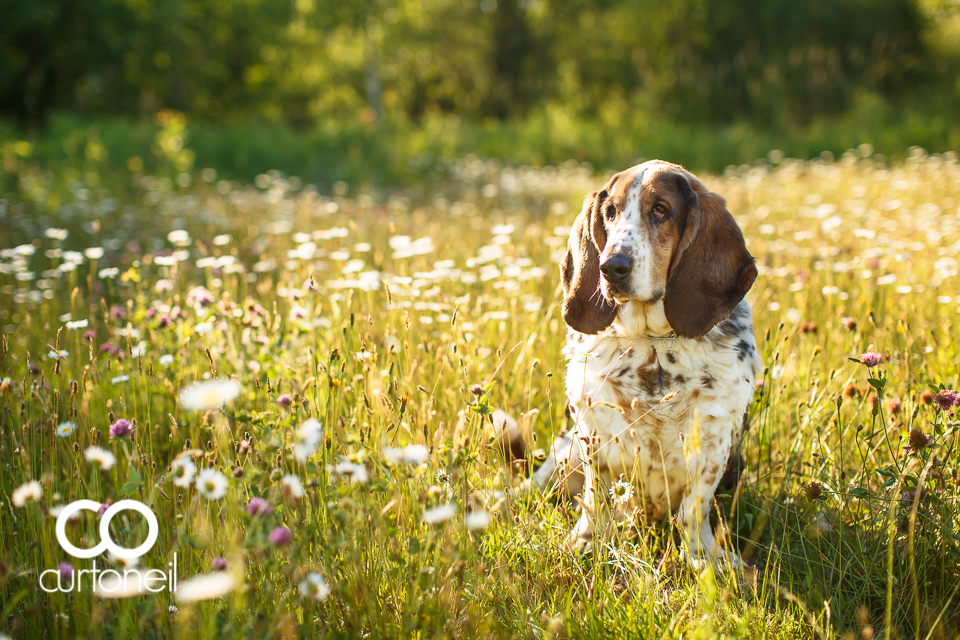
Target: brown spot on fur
[(672, 359), (707, 381), (743, 350)]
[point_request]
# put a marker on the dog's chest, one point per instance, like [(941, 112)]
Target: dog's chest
[(632, 425)]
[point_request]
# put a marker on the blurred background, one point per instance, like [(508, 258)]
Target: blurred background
[(389, 91)]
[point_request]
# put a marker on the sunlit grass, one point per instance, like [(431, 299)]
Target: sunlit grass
[(376, 314)]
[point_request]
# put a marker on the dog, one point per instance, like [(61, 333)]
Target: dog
[(662, 359)]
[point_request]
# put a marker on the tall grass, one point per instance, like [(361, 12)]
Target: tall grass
[(376, 312)]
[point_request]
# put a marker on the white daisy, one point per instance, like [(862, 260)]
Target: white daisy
[(478, 519), (208, 395), (183, 471), (166, 360), (58, 354), (203, 327), (212, 484), (65, 429), (346, 469), (621, 491), (309, 434), (291, 487), (103, 458), (314, 587), (26, 492), (411, 454), (206, 587), (78, 324), (119, 379), (118, 584), (439, 514)]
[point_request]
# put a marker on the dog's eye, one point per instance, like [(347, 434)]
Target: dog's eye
[(660, 210), (610, 212)]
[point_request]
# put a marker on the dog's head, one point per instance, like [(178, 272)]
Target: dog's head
[(655, 232)]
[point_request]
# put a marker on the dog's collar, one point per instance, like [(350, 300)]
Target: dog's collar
[(670, 336)]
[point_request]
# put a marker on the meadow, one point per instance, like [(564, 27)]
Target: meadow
[(337, 475)]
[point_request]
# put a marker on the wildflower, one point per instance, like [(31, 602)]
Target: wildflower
[(179, 237), (66, 429), (166, 360), (314, 587), (26, 492), (183, 471), (926, 397), (297, 312), (58, 354), (212, 394), (439, 514), (117, 312), (356, 472), (621, 491), (66, 571), (203, 327), (442, 477), (814, 490), (101, 457), (212, 484), (280, 537), (291, 488), (284, 400), (219, 564), (89, 335), (894, 406), (946, 399), (478, 519), (808, 327), (108, 273), (103, 508), (199, 297), (907, 497), (310, 433), (78, 324), (918, 440), (476, 389), (410, 454), (871, 359), (163, 286), (121, 429), (851, 391), (209, 586), (94, 253), (258, 507), (850, 324)]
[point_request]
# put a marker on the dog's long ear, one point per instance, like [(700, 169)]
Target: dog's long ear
[(711, 269), (584, 308)]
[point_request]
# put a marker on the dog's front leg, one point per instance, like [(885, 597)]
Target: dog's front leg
[(596, 428), (705, 466)]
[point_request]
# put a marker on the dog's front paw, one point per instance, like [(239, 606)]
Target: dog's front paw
[(579, 544), (719, 559)]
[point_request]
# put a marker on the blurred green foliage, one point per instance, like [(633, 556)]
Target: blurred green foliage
[(378, 86)]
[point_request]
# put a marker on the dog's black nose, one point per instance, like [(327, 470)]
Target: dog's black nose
[(617, 267)]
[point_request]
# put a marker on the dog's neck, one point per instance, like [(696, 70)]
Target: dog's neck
[(638, 320)]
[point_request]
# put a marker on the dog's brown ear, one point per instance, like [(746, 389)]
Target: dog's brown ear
[(584, 308), (711, 269)]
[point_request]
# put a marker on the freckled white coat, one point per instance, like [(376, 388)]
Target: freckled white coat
[(615, 383)]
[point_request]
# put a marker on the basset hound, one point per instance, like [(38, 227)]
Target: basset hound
[(662, 359)]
